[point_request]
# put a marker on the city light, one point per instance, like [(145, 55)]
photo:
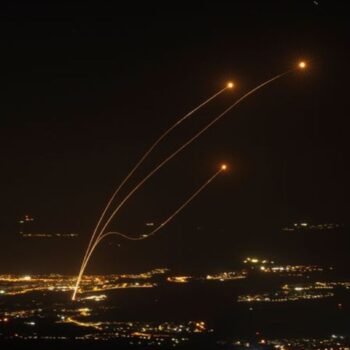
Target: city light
[(85, 318), (230, 84), (179, 279)]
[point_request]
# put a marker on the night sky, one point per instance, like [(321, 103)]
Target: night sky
[(85, 89)]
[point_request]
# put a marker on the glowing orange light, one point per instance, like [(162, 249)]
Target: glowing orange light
[(302, 65), (223, 167), (230, 85)]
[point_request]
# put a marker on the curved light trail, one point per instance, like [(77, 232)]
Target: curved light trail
[(229, 85), (301, 65), (187, 143), (153, 232)]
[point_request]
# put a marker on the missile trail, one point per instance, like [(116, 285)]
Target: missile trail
[(143, 158), (165, 222), (145, 236), (215, 120), (166, 161), (187, 143), (142, 237)]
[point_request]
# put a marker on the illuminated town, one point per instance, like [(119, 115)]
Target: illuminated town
[(335, 342), (26, 230), (88, 319), (305, 226), (16, 285)]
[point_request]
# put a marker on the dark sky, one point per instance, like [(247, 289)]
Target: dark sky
[(85, 89)]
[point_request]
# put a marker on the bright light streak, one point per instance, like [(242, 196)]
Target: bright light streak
[(96, 325), (143, 158), (143, 236), (187, 143), (215, 120), (95, 297), (166, 160)]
